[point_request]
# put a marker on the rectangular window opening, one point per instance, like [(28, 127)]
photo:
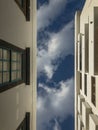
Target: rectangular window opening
[(93, 92), (81, 81), (86, 48), (85, 84), (13, 66)]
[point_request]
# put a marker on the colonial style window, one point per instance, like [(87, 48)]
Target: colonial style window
[(13, 66), (24, 5)]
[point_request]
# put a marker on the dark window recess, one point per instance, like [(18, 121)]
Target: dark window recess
[(93, 90), (85, 84), (95, 25), (80, 56), (27, 120), (28, 66), (87, 48), (81, 81), (25, 124), (13, 66), (24, 5)]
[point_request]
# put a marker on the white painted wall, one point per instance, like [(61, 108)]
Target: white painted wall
[(18, 100), (77, 30), (86, 16)]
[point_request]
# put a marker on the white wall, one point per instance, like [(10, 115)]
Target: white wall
[(87, 16), (18, 100)]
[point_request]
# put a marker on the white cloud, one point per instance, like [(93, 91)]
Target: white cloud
[(48, 71), (47, 13), (56, 126), (56, 103), (59, 46)]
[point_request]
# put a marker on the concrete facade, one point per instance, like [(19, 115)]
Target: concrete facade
[(15, 102), (86, 67)]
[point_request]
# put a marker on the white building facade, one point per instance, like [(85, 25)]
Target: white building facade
[(18, 65), (86, 67)]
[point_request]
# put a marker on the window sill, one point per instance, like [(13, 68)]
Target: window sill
[(10, 85)]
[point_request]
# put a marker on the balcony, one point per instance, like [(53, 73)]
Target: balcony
[(80, 100), (86, 110), (93, 122)]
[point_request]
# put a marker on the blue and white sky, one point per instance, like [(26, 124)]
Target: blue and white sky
[(55, 63)]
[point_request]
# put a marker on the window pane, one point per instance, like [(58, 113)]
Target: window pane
[(14, 65), (85, 84), (0, 78), (0, 53), (6, 54), (81, 81), (93, 85), (0, 65), (5, 66), (14, 75), (5, 77), (19, 57), (19, 75), (14, 56), (19, 66), (21, 3)]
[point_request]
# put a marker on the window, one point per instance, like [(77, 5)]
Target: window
[(85, 84), (80, 55), (95, 25), (4, 66), (93, 91), (24, 5), (81, 81), (79, 51), (10, 66), (25, 124), (13, 66), (16, 65), (86, 47)]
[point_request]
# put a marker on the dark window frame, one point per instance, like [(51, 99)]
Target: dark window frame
[(25, 8), (25, 72)]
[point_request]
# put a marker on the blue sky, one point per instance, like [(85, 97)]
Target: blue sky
[(55, 63)]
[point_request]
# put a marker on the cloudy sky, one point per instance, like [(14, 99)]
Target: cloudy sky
[(55, 63)]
